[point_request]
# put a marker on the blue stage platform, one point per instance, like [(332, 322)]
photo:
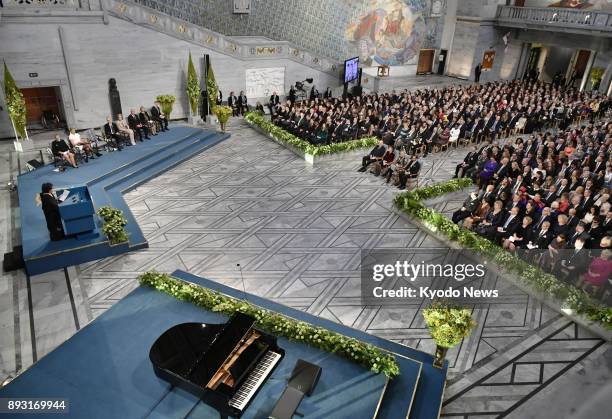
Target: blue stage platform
[(107, 178), (105, 372)]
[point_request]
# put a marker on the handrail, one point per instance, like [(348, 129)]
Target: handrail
[(554, 16)]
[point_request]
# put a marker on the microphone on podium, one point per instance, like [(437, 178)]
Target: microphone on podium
[(243, 286)]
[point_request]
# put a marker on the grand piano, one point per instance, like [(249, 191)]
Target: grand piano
[(223, 364)]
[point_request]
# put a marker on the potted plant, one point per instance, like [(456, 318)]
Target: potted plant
[(114, 225), (166, 102), (223, 114), (448, 326), (193, 86), (16, 107)]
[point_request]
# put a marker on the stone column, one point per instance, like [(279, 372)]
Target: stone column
[(587, 70)]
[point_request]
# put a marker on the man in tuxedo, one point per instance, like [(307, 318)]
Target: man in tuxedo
[(111, 132), (50, 207), (468, 162), (578, 233), (376, 154), (467, 209), (550, 195), (544, 236), (137, 126), (146, 120), (510, 225), (159, 116), (243, 106), (273, 102), (232, 102), (573, 263), (502, 170)]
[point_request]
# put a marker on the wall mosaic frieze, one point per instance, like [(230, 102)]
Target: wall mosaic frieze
[(379, 31), (159, 20)]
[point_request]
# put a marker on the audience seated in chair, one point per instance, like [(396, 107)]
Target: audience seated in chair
[(61, 149), (137, 126), (159, 116), (124, 128), (83, 144), (112, 133)]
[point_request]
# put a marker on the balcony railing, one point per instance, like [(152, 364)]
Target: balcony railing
[(549, 18), (39, 5)]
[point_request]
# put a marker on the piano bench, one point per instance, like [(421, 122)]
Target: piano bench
[(286, 406)]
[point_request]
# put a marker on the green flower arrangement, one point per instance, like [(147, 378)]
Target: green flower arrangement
[(448, 325), (15, 104), (166, 102), (256, 118), (193, 86), (364, 354), (211, 87), (114, 224), (223, 114), (569, 296)]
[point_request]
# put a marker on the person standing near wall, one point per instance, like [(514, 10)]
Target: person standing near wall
[(477, 72)]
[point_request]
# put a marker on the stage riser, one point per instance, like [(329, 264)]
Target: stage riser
[(107, 189)]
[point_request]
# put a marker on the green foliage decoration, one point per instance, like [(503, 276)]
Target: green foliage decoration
[(211, 87), (114, 224), (364, 354), (256, 118), (15, 103), (222, 113), (448, 325), (193, 86), (166, 102), (531, 276)]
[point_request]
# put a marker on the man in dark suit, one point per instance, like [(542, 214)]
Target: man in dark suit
[(375, 155), (578, 233), (137, 126), (111, 132), (468, 162), (509, 226), (232, 102), (573, 263), (273, 102), (544, 236), (159, 116), (50, 207), (467, 209), (243, 106)]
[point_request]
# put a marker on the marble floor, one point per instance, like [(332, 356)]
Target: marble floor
[(297, 233)]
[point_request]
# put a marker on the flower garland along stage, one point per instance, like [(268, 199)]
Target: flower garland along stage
[(361, 353), (532, 276), (309, 150)]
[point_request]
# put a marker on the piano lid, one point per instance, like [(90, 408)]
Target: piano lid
[(214, 357), (180, 348)]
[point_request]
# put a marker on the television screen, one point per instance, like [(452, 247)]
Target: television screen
[(351, 69)]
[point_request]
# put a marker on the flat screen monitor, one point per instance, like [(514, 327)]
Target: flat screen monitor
[(351, 69)]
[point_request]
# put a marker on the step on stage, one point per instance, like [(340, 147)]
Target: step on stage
[(107, 178), (104, 370)]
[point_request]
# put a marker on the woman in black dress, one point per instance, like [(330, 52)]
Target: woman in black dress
[(51, 210)]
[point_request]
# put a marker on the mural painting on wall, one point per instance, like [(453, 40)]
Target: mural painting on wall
[(582, 4), (390, 32)]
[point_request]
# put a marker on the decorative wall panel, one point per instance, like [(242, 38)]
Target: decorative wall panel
[(261, 82)]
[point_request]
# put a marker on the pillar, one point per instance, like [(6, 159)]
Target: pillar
[(587, 70)]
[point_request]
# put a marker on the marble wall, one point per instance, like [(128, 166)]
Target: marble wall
[(144, 62)]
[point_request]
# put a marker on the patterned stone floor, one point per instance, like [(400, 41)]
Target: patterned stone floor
[(297, 233)]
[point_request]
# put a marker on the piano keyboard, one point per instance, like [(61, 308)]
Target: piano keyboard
[(254, 380)]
